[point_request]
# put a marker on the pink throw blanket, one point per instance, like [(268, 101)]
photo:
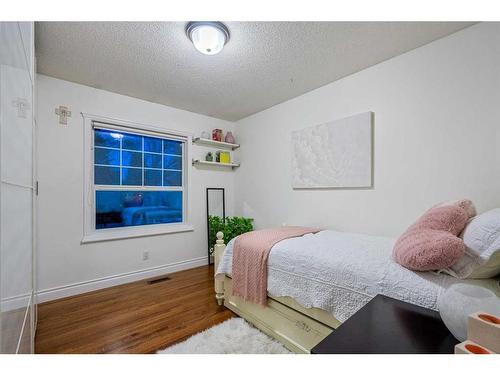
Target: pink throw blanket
[(250, 253)]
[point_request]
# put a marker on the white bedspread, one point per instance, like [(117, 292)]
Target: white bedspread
[(340, 272)]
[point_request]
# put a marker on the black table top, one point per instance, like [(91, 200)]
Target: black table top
[(389, 326)]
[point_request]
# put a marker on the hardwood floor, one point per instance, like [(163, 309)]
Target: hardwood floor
[(132, 318)]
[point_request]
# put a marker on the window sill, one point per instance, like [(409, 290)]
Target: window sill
[(135, 232)]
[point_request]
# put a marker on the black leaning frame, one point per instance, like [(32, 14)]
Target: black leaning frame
[(223, 216)]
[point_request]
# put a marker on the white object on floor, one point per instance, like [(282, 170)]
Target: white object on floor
[(234, 336), (341, 272)]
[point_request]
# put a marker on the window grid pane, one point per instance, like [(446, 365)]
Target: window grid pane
[(121, 141), (162, 167), (106, 156), (128, 208), (142, 161), (128, 152)]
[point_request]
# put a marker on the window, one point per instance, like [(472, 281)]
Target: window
[(136, 163), (137, 182)]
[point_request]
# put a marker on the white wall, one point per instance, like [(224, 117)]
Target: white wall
[(437, 137), (62, 260)]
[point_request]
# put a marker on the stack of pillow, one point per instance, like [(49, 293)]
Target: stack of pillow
[(450, 237)]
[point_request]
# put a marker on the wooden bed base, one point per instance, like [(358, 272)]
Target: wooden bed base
[(296, 327)]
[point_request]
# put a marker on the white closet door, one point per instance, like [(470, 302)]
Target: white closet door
[(16, 188)]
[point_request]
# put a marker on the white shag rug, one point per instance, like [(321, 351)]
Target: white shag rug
[(234, 336)]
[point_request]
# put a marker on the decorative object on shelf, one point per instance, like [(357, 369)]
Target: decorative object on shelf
[(217, 157), (205, 135), (211, 143), (461, 300), (337, 154), (217, 135), (225, 157), (209, 157), (229, 138)]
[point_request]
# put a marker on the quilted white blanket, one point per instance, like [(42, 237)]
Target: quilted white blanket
[(340, 272)]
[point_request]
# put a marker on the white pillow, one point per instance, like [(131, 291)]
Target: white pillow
[(481, 259)]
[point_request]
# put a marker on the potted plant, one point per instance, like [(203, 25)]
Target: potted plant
[(232, 227)]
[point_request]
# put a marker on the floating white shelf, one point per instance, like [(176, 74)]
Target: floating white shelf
[(215, 164), (211, 143)]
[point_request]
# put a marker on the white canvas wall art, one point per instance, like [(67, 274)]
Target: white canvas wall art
[(337, 154)]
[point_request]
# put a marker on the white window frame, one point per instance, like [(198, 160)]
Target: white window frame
[(90, 234)]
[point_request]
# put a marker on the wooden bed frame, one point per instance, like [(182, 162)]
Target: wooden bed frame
[(297, 327)]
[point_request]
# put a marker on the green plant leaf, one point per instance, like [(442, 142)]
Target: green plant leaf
[(232, 227)]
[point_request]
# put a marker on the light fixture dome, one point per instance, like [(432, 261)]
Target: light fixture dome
[(208, 37)]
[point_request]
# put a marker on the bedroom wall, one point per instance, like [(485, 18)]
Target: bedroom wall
[(437, 137), (65, 266)]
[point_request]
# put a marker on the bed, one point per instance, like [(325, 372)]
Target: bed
[(150, 215), (317, 281)]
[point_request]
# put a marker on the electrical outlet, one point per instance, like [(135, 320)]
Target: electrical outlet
[(145, 255)]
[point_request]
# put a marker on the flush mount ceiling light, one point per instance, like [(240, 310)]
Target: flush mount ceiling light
[(208, 37)]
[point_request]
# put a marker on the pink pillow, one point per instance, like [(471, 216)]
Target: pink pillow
[(466, 204), (432, 243)]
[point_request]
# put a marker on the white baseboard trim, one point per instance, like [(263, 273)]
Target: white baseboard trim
[(50, 294), (15, 302)]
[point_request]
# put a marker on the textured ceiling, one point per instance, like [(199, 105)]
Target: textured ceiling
[(264, 63)]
